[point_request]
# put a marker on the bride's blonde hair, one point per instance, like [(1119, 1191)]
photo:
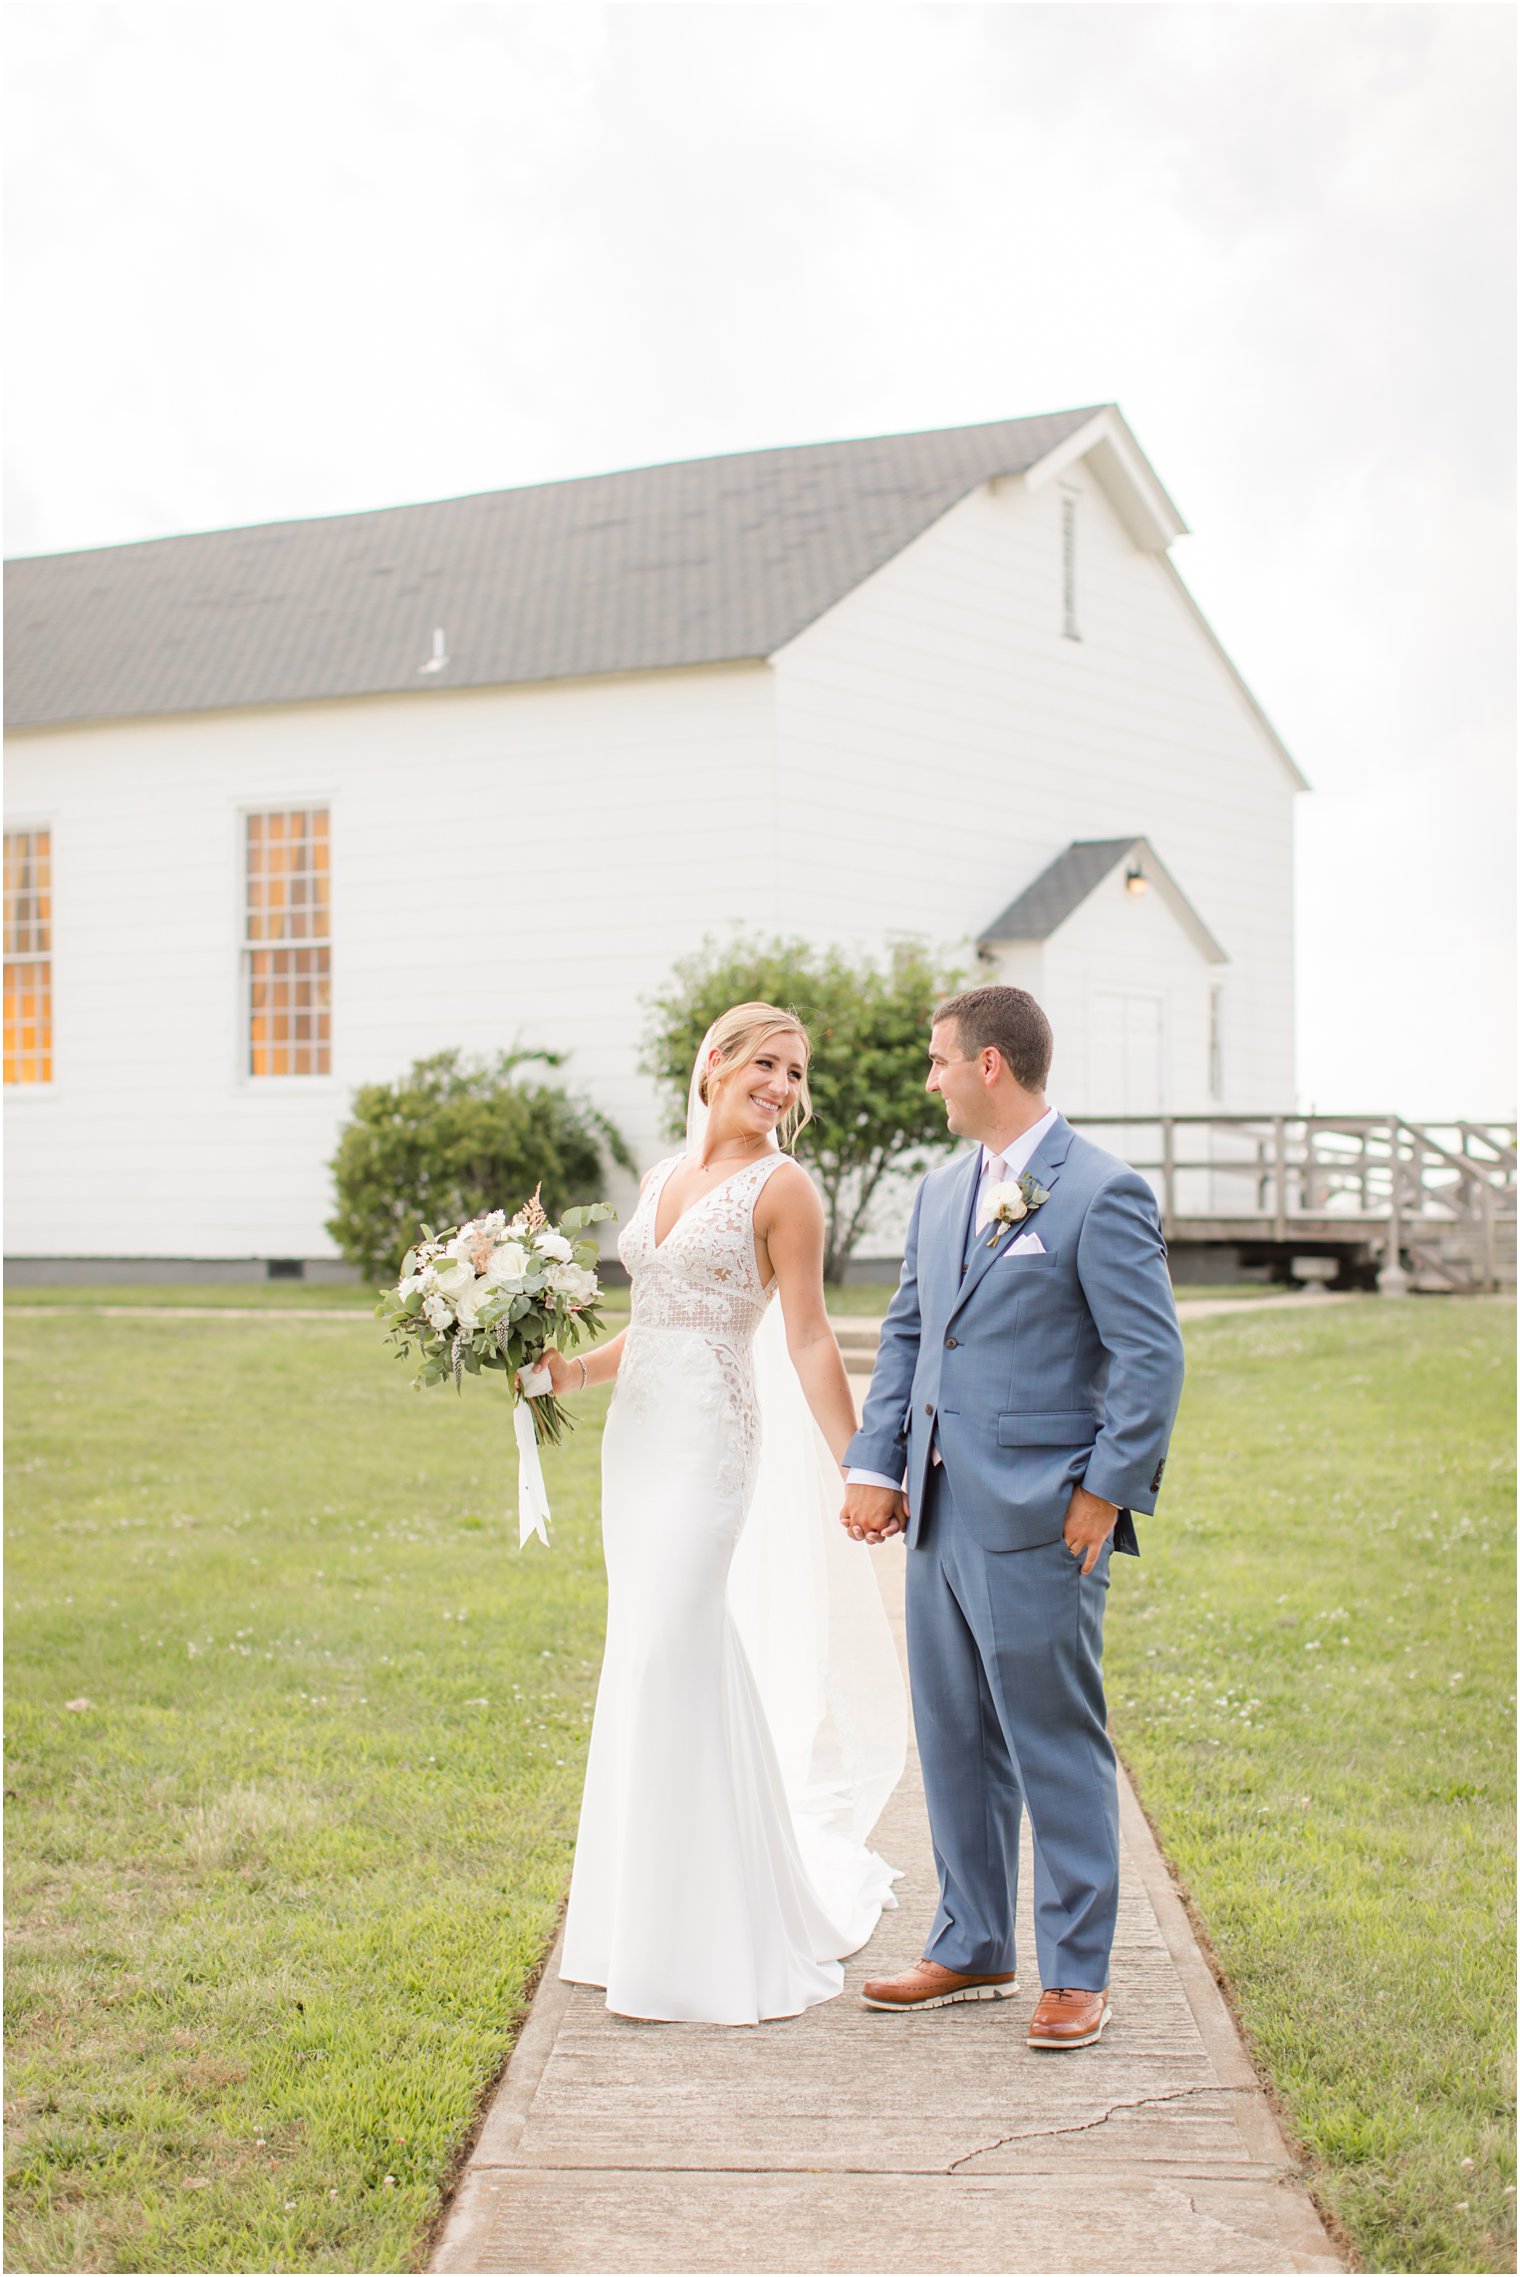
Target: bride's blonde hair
[(737, 1036)]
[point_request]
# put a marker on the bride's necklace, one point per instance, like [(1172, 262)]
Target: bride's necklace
[(750, 1146)]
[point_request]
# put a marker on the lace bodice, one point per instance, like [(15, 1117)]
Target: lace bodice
[(697, 1301), (703, 1274)]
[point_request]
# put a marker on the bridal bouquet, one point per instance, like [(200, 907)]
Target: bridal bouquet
[(499, 1293)]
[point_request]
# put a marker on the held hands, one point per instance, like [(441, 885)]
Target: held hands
[(1088, 1524), (873, 1513)]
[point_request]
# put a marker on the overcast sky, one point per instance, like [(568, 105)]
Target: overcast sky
[(275, 260)]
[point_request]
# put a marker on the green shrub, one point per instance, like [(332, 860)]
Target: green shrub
[(454, 1137)]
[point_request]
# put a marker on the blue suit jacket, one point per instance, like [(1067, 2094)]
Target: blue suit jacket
[(1037, 1371)]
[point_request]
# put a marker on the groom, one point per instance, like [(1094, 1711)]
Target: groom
[(1029, 1372)]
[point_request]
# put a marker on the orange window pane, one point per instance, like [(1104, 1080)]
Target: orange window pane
[(285, 930), (28, 1023), (288, 1019), (28, 892)]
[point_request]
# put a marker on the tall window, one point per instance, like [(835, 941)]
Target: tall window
[(1069, 565), (28, 956), (288, 943)]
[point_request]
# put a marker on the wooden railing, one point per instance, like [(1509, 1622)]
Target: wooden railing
[(1313, 1177)]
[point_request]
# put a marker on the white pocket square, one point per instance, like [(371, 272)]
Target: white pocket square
[(1027, 1245)]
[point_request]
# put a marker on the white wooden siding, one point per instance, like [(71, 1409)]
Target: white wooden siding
[(520, 865), (526, 865), (941, 742)]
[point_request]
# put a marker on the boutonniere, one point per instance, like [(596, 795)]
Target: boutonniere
[(1012, 1202)]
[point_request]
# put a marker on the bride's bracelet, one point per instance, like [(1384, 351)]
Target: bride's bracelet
[(585, 1379)]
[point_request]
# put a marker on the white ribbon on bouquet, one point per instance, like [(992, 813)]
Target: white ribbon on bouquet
[(532, 1494)]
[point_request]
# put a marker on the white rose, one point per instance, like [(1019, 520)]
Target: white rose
[(464, 1309), (508, 1263), (554, 1245), (437, 1314), (1007, 1203), (456, 1280), (577, 1282)]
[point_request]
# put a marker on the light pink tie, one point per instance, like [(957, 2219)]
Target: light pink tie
[(992, 1173)]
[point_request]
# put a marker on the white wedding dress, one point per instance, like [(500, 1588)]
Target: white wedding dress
[(721, 1871)]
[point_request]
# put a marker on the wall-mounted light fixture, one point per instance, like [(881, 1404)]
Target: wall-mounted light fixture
[(1135, 880)]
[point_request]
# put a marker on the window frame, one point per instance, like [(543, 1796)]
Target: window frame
[(44, 1087), (313, 802)]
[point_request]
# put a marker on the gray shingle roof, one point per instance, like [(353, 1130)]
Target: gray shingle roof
[(1064, 884), (1059, 889), (697, 563)]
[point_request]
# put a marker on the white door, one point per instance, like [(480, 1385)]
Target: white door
[(1125, 1070), (1126, 1073)]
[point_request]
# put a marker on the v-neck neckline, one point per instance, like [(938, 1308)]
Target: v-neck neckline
[(658, 1239)]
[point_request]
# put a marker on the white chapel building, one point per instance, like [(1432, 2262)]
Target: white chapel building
[(288, 807)]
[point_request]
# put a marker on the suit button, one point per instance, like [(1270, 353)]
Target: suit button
[(950, 1343), (928, 1407)]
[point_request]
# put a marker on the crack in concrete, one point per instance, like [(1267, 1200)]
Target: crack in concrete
[(1085, 2126)]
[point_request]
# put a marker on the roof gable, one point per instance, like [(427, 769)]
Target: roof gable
[(703, 562), (1064, 884), (1116, 459)]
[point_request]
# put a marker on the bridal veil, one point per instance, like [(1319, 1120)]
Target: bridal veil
[(805, 1599)]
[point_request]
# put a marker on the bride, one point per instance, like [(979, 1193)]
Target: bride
[(750, 1720)]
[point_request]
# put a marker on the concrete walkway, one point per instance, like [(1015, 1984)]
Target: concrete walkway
[(854, 2141)]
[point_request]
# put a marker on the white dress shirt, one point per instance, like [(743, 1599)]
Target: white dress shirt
[(1012, 1162)]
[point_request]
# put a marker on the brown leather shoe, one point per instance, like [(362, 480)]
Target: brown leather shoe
[(931, 1986), (1068, 2019)]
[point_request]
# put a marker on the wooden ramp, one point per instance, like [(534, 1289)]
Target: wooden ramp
[(850, 2140), (1426, 1205)]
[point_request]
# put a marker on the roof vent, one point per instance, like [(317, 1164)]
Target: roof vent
[(440, 656)]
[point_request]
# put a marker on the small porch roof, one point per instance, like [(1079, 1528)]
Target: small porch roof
[(1064, 884)]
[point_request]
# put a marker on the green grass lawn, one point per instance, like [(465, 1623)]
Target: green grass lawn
[(865, 1298), (242, 1296), (1311, 1674), (852, 1300), (295, 1749), (278, 1887)]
